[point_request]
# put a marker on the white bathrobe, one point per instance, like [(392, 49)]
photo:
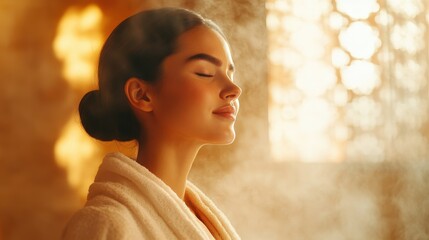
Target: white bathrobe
[(127, 201)]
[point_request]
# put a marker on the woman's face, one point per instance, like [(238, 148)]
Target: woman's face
[(196, 98)]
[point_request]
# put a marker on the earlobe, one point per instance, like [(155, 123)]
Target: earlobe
[(138, 94)]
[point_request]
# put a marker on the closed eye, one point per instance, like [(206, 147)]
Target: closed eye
[(204, 75)]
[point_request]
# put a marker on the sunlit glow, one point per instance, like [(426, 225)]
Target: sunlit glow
[(292, 23), (311, 9), (340, 95), (384, 18), (339, 57), (408, 37), (410, 75), (321, 148), (310, 41), (285, 96), (315, 78), (77, 44), (361, 77), (364, 113), (341, 132), (360, 39), (349, 80), (411, 106), (337, 21), (273, 21), (78, 154), (408, 8), (281, 6), (315, 115), (358, 9), (287, 57), (388, 95)]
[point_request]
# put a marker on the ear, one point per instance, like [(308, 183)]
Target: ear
[(139, 94)]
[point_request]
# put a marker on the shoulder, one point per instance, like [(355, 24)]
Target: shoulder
[(98, 222)]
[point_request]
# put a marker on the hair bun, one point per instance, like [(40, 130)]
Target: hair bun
[(94, 118)]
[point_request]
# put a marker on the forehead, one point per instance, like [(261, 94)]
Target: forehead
[(202, 39)]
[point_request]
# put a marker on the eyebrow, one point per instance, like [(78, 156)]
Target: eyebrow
[(209, 58)]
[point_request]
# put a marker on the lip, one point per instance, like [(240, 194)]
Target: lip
[(227, 111)]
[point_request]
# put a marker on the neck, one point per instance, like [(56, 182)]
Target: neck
[(171, 161)]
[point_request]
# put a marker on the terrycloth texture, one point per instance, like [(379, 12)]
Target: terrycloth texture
[(127, 201)]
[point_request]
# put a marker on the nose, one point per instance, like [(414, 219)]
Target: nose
[(231, 91)]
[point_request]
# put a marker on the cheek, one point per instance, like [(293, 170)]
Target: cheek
[(188, 96), (192, 96), (187, 102)]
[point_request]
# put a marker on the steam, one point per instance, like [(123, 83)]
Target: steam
[(296, 200), (326, 201), (262, 198)]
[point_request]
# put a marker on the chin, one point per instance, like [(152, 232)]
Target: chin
[(225, 140)]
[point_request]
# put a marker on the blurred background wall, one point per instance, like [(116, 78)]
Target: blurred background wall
[(302, 166)]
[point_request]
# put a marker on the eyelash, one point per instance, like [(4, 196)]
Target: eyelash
[(204, 75)]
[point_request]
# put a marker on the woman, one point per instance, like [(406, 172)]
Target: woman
[(165, 80)]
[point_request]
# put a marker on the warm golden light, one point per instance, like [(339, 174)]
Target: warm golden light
[(311, 9), (337, 21), (315, 78), (362, 77), (414, 106), (360, 40), (309, 39), (409, 8), (409, 37), (403, 71), (315, 116), (339, 57), (78, 43), (364, 113), (77, 153), (273, 22), (383, 18), (340, 95), (357, 9), (287, 57), (348, 79)]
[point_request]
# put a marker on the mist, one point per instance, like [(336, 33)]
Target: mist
[(263, 198)]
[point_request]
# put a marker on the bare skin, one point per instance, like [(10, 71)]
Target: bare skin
[(187, 108)]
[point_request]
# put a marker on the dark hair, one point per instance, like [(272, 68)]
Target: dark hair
[(135, 48)]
